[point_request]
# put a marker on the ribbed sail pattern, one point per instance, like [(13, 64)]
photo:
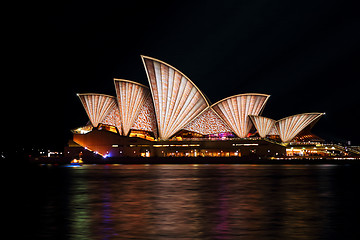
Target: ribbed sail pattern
[(97, 106), (207, 123), (235, 111), (113, 119), (130, 97), (289, 127), (262, 124), (146, 120), (176, 99)]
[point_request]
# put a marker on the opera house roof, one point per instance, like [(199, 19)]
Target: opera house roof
[(173, 103)]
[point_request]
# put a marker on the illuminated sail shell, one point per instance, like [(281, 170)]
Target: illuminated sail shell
[(289, 127), (113, 119), (146, 120), (235, 111), (97, 106), (176, 98), (130, 97), (262, 124), (273, 131), (207, 123)]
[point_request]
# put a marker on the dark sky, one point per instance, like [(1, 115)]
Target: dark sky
[(305, 54)]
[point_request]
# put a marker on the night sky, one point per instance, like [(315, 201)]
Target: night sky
[(305, 54)]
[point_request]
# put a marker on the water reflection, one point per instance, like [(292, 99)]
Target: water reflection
[(201, 202), (79, 208)]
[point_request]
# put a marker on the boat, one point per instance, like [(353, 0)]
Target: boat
[(76, 162)]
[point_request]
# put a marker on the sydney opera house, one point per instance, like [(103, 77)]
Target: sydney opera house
[(173, 118)]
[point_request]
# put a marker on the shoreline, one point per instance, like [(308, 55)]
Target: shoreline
[(200, 160)]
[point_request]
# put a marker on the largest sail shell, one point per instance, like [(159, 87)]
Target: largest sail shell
[(235, 111), (176, 98)]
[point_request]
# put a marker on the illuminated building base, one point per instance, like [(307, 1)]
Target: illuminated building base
[(109, 144)]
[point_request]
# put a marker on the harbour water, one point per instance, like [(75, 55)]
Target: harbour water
[(191, 202)]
